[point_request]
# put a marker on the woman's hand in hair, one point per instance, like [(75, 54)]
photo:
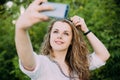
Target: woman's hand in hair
[(79, 22), (98, 47), (32, 14)]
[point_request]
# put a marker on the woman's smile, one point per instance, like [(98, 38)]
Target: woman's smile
[(59, 42)]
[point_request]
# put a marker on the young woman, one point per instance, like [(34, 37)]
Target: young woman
[(64, 52)]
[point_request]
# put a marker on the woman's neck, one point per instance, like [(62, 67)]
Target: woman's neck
[(59, 56)]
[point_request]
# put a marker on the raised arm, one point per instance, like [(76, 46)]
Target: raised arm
[(96, 44), (98, 47), (22, 40)]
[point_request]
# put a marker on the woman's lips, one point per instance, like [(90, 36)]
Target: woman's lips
[(59, 42)]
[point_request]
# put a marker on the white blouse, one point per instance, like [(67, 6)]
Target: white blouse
[(48, 70)]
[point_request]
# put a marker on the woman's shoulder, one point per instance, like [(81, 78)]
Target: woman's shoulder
[(41, 57)]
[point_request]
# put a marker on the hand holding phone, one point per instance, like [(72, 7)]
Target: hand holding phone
[(60, 10)]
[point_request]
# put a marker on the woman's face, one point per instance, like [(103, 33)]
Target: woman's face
[(61, 36)]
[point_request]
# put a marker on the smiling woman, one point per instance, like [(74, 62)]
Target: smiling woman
[(63, 44), (64, 54)]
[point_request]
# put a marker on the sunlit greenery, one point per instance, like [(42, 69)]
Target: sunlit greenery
[(101, 16)]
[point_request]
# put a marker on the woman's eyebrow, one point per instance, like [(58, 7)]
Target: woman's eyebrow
[(64, 30), (55, 29), (67, 31)]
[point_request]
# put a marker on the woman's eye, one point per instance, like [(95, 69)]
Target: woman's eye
[(55, 31), (66, 34)]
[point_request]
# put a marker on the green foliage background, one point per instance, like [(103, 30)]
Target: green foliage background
[(101, 16)]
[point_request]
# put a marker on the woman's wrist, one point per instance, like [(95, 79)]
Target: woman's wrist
[(18, 27), (21, 26), (87, 32)]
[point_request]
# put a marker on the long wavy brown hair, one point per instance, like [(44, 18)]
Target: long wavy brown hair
[(76, 57)]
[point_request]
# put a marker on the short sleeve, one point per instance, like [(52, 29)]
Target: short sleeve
[(32, 74), (95, 61)]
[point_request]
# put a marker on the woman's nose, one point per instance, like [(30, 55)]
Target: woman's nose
[(59, 36)]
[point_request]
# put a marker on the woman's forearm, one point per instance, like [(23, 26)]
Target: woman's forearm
[(24, 48), (98, 46)]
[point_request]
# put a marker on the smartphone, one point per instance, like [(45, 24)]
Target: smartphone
[(60, 10)]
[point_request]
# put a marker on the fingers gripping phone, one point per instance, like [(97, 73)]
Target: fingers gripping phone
[(60, 10)]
